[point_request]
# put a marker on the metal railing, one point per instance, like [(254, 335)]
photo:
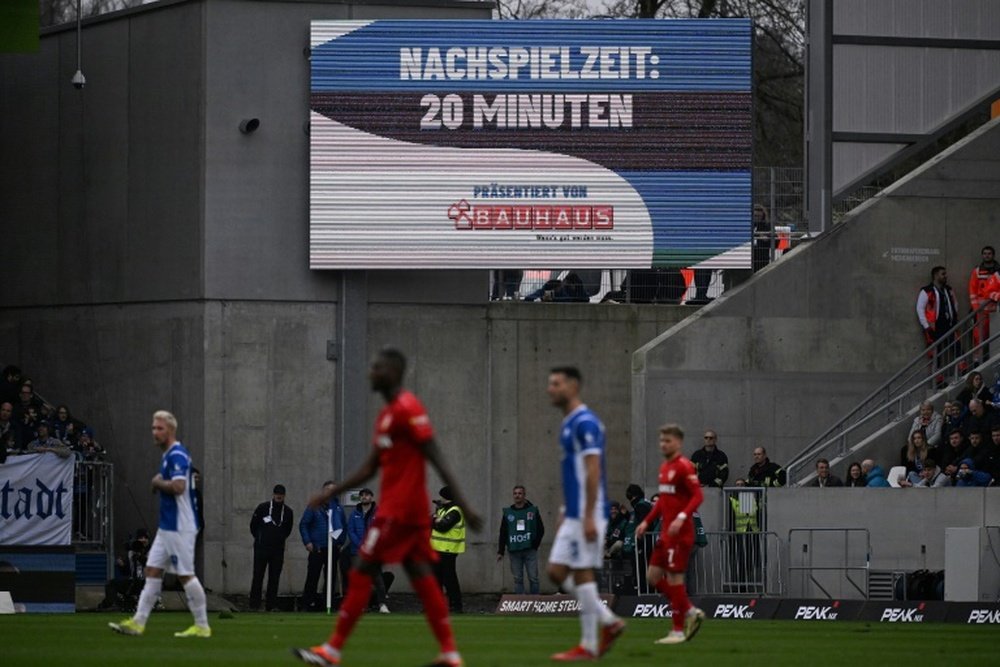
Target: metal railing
[(934, 368), (93, 515), (731, 563), (843, 565)]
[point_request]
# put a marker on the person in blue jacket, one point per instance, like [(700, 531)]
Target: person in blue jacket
[(313, 527), (874, 474), (967, 475), (357, 527)]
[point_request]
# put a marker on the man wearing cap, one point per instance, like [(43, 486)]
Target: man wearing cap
[(270, 526), (313, 527), (44, 442), (448, 540)]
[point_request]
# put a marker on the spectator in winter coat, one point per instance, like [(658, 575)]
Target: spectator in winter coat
[(874, 473), (314, 526)]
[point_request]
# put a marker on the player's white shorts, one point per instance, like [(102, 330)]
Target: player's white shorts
[(173, 551), (571, 548)]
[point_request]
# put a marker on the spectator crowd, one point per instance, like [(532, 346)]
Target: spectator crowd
[(29, 424)]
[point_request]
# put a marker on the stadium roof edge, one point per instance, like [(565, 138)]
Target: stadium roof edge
[(163, 4)]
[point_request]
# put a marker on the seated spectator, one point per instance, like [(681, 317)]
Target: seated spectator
[(975, 387), (764, 472), (982, 452), (953, 450), (979, 420), (46, 443), (967, 475), (930, 477), (954, 417), (874, 474), (11, 383), (929, 422), (855, 476), (823, 476), (25, 429), (711, 462), (915, 452)]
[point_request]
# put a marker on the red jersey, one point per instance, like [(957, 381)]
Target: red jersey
[(679, 492), (401, 431)]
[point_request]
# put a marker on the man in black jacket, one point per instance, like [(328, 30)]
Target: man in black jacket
[(521, 532), (764, 472), (270, 526), (711, 462)]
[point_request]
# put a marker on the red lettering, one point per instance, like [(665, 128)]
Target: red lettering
[(604, 217), (481, 217), (522, 217), (562, 217), (543, 217)]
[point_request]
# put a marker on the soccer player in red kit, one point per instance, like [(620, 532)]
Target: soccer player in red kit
[(680, 495), (401, 529)]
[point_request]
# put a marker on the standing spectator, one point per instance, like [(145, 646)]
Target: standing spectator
[(954, 417), (65, 427), (937, 313), (26, 400), (823, 476), (357, 527), (314, 527), (764, 472), (979, 420), (270, 526), (761, 255), (978, 296), (855, 476), (91, 450), (615, 534), (448, 540), (6, 419), (928, 422), (874, 474), (640, 508), (975, 387), (11, 384), (914, 452), (711, 462), (46, 443), (952, 452), (521, 531)]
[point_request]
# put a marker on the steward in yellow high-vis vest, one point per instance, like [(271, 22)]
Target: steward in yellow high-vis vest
[(448, 540)]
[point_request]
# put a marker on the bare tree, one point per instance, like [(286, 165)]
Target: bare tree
[(54, 12), (779, 51)]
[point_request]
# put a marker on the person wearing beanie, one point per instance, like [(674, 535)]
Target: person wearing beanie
[(270, 526)]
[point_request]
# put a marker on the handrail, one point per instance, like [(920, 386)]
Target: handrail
[(885, 395)]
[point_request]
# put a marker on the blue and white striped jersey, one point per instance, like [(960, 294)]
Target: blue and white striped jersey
[(178, 513), (582, 435)]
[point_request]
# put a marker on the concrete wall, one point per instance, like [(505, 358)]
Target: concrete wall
[(779, 359)]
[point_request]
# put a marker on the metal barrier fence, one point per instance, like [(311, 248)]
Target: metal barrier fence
[(93, 516), (731, 563)]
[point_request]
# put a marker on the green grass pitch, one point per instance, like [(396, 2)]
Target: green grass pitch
[(402, 640)]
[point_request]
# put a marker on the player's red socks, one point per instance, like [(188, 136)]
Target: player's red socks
[(436, 610), (679, 602), (359, 590)]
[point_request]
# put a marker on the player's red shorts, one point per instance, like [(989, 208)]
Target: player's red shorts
[(671, 553), (390, 542)]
